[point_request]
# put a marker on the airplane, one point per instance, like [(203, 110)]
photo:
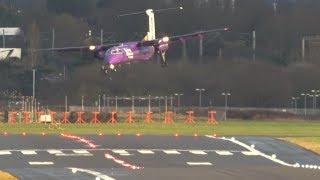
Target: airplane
[(116, 54), (127, 52)]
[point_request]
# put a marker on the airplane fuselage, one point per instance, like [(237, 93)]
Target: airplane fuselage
[(128, 52)]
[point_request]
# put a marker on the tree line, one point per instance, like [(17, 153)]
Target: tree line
[(277, 74)]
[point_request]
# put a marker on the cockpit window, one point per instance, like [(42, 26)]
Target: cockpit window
[(116, 51)]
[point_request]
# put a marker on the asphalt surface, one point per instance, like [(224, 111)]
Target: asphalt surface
[(154, 157)]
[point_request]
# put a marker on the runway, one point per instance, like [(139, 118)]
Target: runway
[(154, 157)]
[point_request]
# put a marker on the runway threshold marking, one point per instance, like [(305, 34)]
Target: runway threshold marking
[(74, 155), (142, 151), (199, 163), (54, 151), (28, 152), (198, 152), (171, 152), (5, 153), (81, 151), (224, 153), (40, 163)]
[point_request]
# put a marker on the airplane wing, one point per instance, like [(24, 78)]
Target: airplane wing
[(79, 48), (183, 37)]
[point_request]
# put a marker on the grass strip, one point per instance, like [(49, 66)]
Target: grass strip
[(6, 176), (310, 143), (256, 128)]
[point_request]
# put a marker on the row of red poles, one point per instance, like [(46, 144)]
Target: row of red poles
[(148, 119)]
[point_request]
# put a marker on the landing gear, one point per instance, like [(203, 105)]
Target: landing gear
[(163, 59), (104, 69)]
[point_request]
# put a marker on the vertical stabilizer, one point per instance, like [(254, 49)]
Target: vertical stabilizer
[(152, 29)]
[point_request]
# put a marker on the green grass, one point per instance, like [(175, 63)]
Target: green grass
[(262, 127), (311, 143)]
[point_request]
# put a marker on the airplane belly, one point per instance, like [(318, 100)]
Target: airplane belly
[(145, 53)]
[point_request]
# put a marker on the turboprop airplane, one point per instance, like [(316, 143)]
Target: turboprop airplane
[(126, 52)]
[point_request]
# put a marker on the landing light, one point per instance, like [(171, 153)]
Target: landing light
[(226, 29), (165, 39), (112, 66), (92, 48)]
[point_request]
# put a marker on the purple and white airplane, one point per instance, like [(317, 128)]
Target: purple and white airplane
[(126, 52), (118, 53)]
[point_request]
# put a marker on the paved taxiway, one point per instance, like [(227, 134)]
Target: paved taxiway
[(154, 157)]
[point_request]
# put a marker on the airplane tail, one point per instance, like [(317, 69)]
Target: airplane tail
[(146, 38)]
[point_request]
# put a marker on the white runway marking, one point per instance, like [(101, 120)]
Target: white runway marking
[(145, 152), (5, 152), (171, 152), (74, 155), (93, 173), (198, 152), (233, 140), (41, 163), (54, 151), (224, 153), (121, 152), (28, 152), (199, 163), (249, 153), (81, 151)]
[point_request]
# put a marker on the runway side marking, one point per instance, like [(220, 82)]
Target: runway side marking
[(224, 153), (199, 163), (28, 152), (5, 152), (272, 158), (120, 151), (93, 173), (171, 152), (81, 151), (145, 151), (198, 152), (54, 152), (41, 163), (74, 155), (249, 153)]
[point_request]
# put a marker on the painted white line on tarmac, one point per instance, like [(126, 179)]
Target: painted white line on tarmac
[(5, 153), (41, 163), (120, 151), (53, 151), (198, 152), (171, 152), (145, 151), (224, 153), (233, 140), (81, 151), (98, 175), (28, 152), (199, 163), (74, 155), (249, 153)]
